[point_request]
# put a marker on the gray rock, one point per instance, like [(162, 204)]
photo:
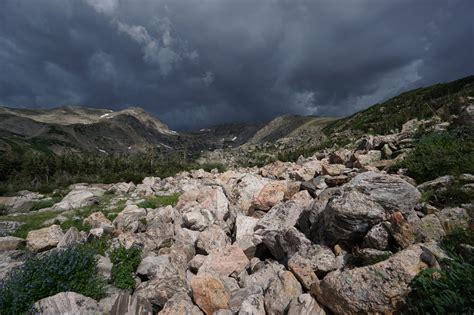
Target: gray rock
[(180, 304), (431, 228), (10, 243), (436, 184), (305, 304), (72, 237), (159, 290), (280, 292), (376, 288), (67, 303), (128, 304), (370, 256), (21, 203), (262, 275), (44, 239), (9, 227), (130, 219), (253, 305), (377, 237), (453, 218), (196, 263), (79, 197), (237, 297), (153, 265), (244, 225), (365, 201), (391, 192), (284, 214), (104, 267), (211, 238)]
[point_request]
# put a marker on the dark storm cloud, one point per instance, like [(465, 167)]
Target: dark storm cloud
[(200, 62)]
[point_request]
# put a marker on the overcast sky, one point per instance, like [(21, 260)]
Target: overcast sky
[(195, 63)]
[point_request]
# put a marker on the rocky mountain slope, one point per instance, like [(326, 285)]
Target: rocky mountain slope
[(381, 223), (330, 233), (101, 131)]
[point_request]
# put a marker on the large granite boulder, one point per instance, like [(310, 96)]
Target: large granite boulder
[(378, 288)]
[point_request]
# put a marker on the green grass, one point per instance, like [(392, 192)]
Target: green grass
[(159, 201), (125, 263), (32, 221), (423, 103), (73, 269), (451, 196)]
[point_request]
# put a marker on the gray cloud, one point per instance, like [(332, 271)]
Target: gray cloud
[(199, 62)]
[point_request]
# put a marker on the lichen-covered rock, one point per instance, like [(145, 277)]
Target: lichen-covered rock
[(431, 228), (225, 261), (377, 237), (253, 305), (211, 238), (453, 218), (130, 219), (244, 225), (272, 193), (379, 288), (160, 289), (203, 206), (280, 292), (71, 238), (209, 293), (98, 220), (44, 239), (80, 196), (66, 303), (180, 304), (305, 304), (368, 199), (285, 214), (10, 243), (128, 304), (9, 227)]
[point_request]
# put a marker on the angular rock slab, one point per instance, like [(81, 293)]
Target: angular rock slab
[(209, 293), (128, 304), (225, 261), (44, 239), (67, 303)]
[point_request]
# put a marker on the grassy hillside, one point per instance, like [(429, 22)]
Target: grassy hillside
[(442, 100)]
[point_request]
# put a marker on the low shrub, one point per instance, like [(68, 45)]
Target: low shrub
[(159, 201), (41, 204), (125, 263), (73, 269), (441, 153), (449, 290), (451, 196), (446, 291)]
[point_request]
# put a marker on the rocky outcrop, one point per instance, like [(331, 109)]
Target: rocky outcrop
[(368, 199), (23, 202), (80, 196)]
